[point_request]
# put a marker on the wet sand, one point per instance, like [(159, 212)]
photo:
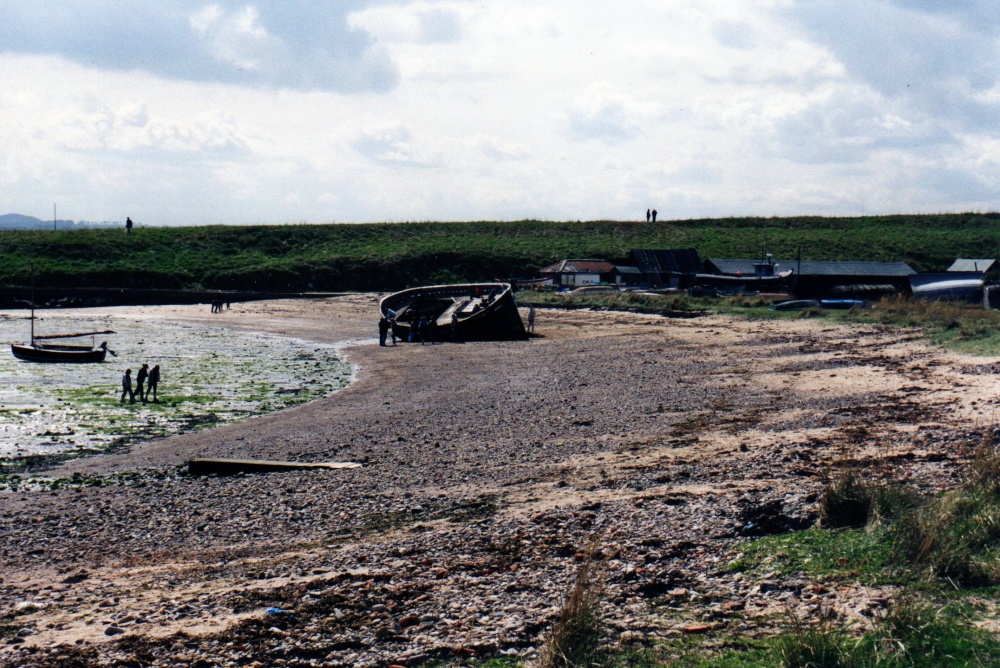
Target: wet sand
[(486, 468)]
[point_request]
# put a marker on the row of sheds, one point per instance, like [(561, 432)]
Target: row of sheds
[(683, 268)]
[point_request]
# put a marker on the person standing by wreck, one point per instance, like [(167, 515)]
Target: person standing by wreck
[(127, 387), (383, 330), (140, 380), (422, 330), (152, 382)]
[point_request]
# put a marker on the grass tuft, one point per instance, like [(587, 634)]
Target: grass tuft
[(956, 536), (818, 644), (577, 636), (852, 500)]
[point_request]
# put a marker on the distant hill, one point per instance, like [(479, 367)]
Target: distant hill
[(17, 221)]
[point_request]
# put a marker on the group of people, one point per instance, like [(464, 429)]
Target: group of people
[(145, 384), (423, 329), (650, 214)]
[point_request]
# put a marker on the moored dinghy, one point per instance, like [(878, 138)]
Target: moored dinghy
[(58, 352), (39, 350), (482, 311)]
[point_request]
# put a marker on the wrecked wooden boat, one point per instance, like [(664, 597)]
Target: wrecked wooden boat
[(465, 312)]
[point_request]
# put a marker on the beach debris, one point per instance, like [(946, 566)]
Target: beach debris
[(201, 466)]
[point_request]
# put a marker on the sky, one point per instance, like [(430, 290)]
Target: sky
[(292, 111)]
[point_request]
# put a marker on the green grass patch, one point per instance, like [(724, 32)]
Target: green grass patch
[(864, 554), (909, 635)]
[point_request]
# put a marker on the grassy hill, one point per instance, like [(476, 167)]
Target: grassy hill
[(388, 256)]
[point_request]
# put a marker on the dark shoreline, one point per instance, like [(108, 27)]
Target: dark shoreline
[(20, 297)]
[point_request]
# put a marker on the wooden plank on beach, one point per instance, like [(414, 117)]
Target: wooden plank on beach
[(232, 466)]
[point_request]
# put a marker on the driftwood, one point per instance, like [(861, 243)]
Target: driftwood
[(233, 466)]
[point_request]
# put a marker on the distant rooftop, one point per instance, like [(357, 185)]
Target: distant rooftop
[(660, 261), (815, 267), (963, 264)]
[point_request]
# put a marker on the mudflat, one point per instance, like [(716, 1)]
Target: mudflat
[(487, 468)]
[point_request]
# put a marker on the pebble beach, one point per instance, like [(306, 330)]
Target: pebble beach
[(487, 470)]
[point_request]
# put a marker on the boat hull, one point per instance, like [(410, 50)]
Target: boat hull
[(58, 355), (484, 311)]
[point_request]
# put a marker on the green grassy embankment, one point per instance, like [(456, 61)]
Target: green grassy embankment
[(391, 256)]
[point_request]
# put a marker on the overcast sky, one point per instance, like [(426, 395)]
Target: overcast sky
[(285, 111)]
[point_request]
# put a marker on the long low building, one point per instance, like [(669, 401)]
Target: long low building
[(821, 278)]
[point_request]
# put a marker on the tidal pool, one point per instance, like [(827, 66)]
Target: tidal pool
[(208, 376)]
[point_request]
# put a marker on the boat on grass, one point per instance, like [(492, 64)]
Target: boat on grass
[(833, 304), (478, 311)]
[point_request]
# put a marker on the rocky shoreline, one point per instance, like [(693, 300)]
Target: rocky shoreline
[(487, 468)]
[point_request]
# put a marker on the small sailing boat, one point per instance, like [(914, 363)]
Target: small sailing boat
[(40, 350)]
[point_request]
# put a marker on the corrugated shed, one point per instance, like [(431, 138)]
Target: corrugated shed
[(815, 267), (667, 261)]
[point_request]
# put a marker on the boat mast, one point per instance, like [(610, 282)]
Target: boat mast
[(32, 265)]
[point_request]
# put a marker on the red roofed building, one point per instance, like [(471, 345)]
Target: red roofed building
[(579, 272)]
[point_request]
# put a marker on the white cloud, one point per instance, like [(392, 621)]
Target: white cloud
[(606, 113), (389, 142), (264, 111), (421, 22), (265, 43), (235, 38)]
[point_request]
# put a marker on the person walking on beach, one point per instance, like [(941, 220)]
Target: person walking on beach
[(531, 320), (394, 330), (383, 330), (140, 380), (152, 382), (127, 387)]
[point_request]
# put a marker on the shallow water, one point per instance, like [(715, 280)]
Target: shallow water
[(208, 376)]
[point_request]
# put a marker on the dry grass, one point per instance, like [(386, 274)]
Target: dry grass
[(576, 638), (957, 536)]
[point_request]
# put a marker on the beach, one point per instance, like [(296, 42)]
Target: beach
[(486, 469)]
